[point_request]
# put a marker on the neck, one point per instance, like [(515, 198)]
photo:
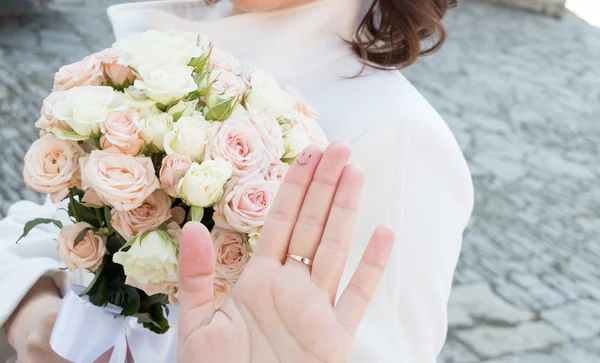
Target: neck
[(286, 5)]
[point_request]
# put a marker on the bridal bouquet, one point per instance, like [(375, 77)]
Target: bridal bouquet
[(161, 129)]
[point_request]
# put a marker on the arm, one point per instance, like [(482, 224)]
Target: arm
[(417, 181), (22, 265)]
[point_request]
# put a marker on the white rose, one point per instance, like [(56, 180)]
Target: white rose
[(202, 185), (166, 84), (154, 48), (188, 137), (82, 109), (294, 141), (154, 128), (253, 241), (267, 95), (152, 258)]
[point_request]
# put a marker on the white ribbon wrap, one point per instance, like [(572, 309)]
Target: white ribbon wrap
[(83, 332)]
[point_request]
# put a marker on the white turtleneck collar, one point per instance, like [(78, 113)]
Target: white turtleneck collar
[(288, 43)]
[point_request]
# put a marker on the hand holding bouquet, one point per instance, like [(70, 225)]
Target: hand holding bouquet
[(162, 129)]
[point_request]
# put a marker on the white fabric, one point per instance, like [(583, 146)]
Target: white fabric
[(417, 178)]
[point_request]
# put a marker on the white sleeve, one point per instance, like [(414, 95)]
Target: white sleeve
[(418, 182), (22, 264)]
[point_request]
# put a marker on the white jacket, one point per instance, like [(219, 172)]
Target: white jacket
[(417, 178)]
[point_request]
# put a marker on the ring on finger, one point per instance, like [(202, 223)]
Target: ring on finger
[(307, 261)]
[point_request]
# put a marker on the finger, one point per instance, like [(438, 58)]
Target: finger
[(196, 277), (333, 250), (276, 233), (355, 299), (317, 203)]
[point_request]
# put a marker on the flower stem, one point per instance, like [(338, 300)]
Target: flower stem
[(99, 216), (72, 206)]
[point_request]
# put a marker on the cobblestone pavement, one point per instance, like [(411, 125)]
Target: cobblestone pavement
[(522, 94)]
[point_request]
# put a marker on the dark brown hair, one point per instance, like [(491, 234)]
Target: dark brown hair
[(395, 33)]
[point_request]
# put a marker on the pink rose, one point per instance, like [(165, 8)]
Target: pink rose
[(238, 141), (302, 104), (227, 84), (172, 170), (178, 215), (118, 74), (120, 180), (153, 212), (52, 166), (47, 120), (86, 72), (221, 60), (276, 172), (91, 198), (88, 253), (174, 230), (171, 289), (245, 204), (231, 253), (270, 132), (222, 289), (120, 131)]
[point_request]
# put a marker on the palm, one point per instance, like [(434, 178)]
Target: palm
[(280, 310)]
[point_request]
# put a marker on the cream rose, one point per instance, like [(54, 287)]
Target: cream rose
[(166, 84), (82, 109), (202, 185), (222, 289), (294, 141), (238, 141), (312, 128), (52, 166), (152, 258), (153, 129), (154, 48), (120, 180), (86, 72), (136, 98), (119, 75), (245, 205), (172, 170), (267, 95), (120, 131), (253, 241), (88, 253), (182, 108), (231, 252), (188, 137), (153, 212), (276, 172)]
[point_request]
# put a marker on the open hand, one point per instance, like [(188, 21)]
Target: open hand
[(282, 310)]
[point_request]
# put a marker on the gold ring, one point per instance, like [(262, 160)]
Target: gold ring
[(304, 260)]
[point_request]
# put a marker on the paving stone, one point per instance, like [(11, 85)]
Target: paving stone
[(455, 352), (479, 303), (580, 319), (492, 341)]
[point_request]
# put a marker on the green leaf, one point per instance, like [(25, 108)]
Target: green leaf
[(36, 222), (107, 218), (84, 214), (154, 320), (132, 306), (97, 274), (81, 235)]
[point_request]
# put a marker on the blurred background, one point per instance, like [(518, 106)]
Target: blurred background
[(519, 84)]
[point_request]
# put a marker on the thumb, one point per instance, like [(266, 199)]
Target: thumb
[(196, 278)]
